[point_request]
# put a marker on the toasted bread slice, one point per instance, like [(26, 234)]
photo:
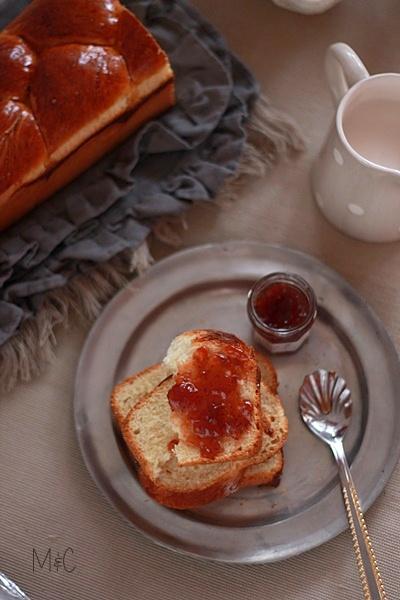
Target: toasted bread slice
[(179, 359), (127, 393), (265, 473), (182, 488), (149, 435), (275, 425), (267, 372), (184, 495)]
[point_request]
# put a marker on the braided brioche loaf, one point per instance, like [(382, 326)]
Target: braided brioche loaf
[(76, 78)]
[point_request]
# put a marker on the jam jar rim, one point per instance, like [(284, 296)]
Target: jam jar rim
[(291, 279)]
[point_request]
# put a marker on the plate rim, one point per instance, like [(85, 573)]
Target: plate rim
[(338, 525)]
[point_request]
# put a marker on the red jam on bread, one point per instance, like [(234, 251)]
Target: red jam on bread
[(207, 396)]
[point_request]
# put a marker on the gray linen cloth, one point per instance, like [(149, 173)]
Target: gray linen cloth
[(176, 160)]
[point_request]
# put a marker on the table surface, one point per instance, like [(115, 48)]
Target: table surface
[(47, 498)]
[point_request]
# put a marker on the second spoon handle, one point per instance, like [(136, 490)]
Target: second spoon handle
[(370, 576)]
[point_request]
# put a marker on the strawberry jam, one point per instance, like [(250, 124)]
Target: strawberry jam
[(207, 396), (282, 306)]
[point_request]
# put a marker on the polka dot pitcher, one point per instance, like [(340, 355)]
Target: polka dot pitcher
[(356, 178)]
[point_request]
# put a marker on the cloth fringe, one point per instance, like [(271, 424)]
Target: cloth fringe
[(272, 135), (169, 230), (26, 354)]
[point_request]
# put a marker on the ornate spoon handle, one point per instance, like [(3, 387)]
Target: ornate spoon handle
[(370, 576)]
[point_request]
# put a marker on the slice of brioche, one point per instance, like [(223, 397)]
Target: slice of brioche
[(189, 487), (127, 393), (275, 425), (265, 473), (149, 432), (179, 356), (150, 436), (267, 372)]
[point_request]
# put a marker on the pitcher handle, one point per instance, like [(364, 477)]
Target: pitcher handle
[(343, 68)]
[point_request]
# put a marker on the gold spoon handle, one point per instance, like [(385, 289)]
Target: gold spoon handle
[(358, 528), (370, 576)]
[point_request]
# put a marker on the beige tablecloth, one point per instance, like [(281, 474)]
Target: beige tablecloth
[(47, 498)]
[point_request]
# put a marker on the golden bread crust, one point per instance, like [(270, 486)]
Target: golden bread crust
[(74, 67), (21, 144), (18, 63), (28, 196), (46, 23), (142, 54), (72, 86)]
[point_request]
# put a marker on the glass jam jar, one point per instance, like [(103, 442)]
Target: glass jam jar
[(282, 309)]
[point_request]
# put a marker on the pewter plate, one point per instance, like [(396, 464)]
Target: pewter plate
[(206, 287)]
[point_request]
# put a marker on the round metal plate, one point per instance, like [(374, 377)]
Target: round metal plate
[(206, 287)]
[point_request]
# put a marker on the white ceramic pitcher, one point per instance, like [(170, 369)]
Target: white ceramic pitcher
[(307, 7), (356, 178)]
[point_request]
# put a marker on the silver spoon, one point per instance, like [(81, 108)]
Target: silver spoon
[(326, 406)]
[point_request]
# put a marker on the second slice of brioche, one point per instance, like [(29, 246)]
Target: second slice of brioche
[(264, 473), (186, 497), (274, 425), (127, 394)]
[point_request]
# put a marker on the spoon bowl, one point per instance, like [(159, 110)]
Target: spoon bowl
[(325, 405)]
